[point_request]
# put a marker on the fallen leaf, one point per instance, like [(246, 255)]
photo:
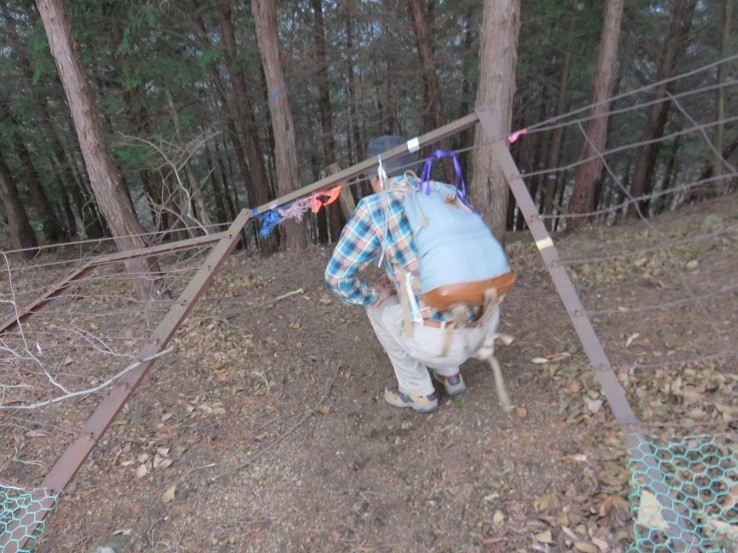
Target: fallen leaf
[(324, 409), (169, 494), (730, 530), (141, 471), (499, 517), (594, 405), (631, 338), (521, 412), (585, 547), (539, 360), (544, 537), (602, 544), (649, 512), (606, 506)]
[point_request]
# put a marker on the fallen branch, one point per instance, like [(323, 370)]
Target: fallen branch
[(88, 391)]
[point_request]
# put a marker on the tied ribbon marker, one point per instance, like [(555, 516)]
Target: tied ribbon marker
[(517, 134), (271, 218)]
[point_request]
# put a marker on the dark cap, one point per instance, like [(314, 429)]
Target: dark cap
[(398, 165)]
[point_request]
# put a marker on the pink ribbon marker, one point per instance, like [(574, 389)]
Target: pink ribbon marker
[(517, 134)]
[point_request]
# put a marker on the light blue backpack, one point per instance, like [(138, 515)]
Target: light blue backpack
[(459, 260)]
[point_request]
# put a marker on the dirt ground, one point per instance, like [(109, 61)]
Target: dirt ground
[(266, 429)]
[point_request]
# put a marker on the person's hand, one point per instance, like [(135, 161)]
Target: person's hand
[(384, 293)]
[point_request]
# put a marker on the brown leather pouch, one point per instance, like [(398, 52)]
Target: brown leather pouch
[(467, 293)]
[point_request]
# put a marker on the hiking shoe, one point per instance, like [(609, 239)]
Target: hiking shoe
[(454, 384), (421, 404)]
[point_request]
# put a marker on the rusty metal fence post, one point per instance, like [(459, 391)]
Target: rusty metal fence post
[(614, 392)]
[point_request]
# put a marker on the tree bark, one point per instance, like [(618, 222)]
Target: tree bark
[(256, 182), (52, 227), (717, 164), (557, 140), (333, 211), (498, 55), (20, 231), (232, 200), (465, 137), (433, 114), (353, 132), (71, 225), (140, 120), (195, 192), (219, 195), (582, 198), (642, 181), (288, 173), (104, 177), (538, 157), (54, 231)]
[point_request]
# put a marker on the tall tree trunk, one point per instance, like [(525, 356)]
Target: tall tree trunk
[(465, 137), (53, 229), (140, 120), (288, 172), (195, 192), (433, 113), (643, 172), (582, 198), (219, 195), (353, 131), (104, 177), (717, 164), (497, 57), (232, 200), (84, 201), (257, 184), (538, 156), (669, 176), (71, 225), (20, 231), (333, 211), (557, 140)]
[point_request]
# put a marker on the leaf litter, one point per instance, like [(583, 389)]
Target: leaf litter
[(552, 476)]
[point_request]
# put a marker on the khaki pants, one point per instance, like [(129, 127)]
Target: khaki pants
[(411, 357)]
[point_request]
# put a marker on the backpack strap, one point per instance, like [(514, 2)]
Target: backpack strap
[(407, 319)]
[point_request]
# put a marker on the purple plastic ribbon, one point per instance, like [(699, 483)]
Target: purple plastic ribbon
[(458, 183)]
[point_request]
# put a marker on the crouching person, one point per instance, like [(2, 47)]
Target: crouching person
[(415, 336)]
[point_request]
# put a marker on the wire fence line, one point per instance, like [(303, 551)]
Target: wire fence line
[(548, 124)]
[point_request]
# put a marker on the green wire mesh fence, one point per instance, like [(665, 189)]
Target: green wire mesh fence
[(23, 517), (701, 475)]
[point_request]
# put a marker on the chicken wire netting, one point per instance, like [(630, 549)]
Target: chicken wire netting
[(685, 494), (23, 517)]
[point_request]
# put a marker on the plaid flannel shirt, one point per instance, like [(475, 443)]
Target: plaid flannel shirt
[(379, 219)]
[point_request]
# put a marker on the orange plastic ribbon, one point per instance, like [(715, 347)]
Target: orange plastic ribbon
[(316, 201)]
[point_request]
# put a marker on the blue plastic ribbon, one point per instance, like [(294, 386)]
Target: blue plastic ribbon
[(269, 221)]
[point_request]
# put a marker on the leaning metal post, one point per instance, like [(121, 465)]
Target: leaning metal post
[(632, 431), (77, 452)]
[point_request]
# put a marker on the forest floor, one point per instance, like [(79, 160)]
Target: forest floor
[(266, 429)]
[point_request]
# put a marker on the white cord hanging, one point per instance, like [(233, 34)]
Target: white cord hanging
[(381, 173)]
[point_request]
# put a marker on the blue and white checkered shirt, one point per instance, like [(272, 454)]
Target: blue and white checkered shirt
[(379, 219)]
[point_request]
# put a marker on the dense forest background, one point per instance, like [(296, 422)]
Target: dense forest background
[(184, 102)]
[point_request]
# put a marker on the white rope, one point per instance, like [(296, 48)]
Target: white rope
[(381, 173), (487, 353)]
